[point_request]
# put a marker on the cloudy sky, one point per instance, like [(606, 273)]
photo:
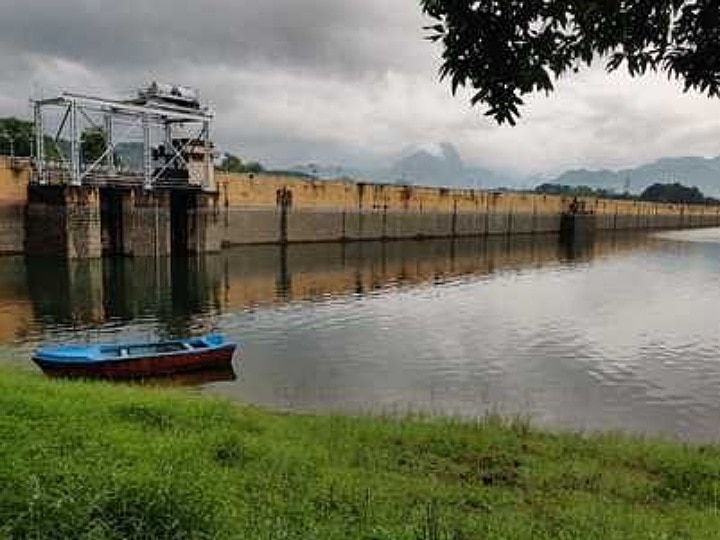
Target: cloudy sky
[(341, 82)]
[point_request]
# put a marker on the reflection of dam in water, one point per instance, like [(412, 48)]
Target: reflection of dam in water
[(315, 271), (183, 295)]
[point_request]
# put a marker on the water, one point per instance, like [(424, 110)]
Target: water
[(618, 335)]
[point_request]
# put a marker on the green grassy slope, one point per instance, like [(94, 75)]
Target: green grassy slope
[(80, 460)]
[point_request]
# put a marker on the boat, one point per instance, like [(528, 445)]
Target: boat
[(136, 360)]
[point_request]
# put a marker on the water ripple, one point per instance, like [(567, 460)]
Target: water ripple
[(618, 335)]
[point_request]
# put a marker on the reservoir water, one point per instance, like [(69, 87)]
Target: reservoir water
[(620, 334)]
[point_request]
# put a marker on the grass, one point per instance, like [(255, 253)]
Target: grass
[(94, 461)]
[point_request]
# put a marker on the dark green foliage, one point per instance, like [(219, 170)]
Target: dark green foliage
[(663, 193), (92, 144), (253, 167), (232, 163), (507, 49), (580, 191), (94, 461), (673, 193), (20, 132)]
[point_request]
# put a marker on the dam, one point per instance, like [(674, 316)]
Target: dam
[(90, 221), (275, 209)]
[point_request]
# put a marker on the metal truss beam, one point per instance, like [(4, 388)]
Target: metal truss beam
[(77, 109), (121, 107)]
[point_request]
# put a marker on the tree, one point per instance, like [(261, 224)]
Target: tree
[(16, 137), (579, 191), (22, 135), (253, 167), (92, 144), (507, 49), (673, 193), (232, 163)]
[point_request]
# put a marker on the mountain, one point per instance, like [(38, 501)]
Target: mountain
[(439, 165), (701, 172), (444, 167), (422, 167)]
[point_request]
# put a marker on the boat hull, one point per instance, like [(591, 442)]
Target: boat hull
[(142, 367)]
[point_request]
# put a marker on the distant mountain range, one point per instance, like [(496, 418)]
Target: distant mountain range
[(701, 172), (442, 165)]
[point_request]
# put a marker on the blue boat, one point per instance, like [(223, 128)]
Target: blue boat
[(136, 360)]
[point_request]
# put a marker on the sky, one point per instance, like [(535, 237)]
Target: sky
[(349, 83)]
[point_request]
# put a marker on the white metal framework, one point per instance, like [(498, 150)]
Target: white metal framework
[(153, 141)]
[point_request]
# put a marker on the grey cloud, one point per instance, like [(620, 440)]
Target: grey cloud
[(320, 35), (350, 82)]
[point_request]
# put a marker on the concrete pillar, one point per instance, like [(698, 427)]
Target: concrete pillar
[(577, 227), (204, 227), (284, 198), (146, 223), (63, 221)]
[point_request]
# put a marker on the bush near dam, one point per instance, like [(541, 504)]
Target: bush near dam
[(93, 461)]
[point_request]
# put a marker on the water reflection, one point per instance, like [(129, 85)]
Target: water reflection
[(181, 296), (84, 295), (615, 334), (55, 300), (192, 378)]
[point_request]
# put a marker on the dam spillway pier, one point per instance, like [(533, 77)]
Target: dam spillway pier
[(577, 223), (89, 222)]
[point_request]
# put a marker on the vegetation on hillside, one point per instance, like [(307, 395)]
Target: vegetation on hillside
[(665, 193), (674, 193), (232, 163), (91, 461), (507, 50), (580, 191), (16, 137), (92, 144)]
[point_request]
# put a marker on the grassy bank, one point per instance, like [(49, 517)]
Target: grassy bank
[(97, 461)]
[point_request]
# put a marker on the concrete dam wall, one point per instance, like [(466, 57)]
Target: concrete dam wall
[(87, 222), (257, 209), (14, 180)]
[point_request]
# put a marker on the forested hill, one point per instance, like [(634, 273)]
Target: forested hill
[(690, 171)]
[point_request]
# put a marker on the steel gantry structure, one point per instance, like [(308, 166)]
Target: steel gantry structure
[(161, 138)]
